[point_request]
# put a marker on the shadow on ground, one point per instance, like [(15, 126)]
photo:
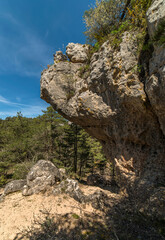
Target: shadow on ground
[(118, 222)]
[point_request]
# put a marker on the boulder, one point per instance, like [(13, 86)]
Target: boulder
[(41, 175), (98, 199), (71, 188), (77, 53), (14, 186)]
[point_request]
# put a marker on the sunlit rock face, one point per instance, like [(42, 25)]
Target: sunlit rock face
[(111, 103), (155, 84)]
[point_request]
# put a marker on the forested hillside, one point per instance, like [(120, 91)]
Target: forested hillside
[(23, 141)]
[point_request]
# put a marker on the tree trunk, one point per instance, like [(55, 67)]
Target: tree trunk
[(125, 9)]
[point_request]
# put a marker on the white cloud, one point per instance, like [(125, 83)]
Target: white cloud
[(25, 109), (6, 101), (3, 100), (30, 111)]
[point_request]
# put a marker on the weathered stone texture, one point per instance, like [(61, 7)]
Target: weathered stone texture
[(70, 187), (155, 84), (59, 56), (14, 186), (113, 105), (41, 175), (98, 199), (154, 14), (77, 53)]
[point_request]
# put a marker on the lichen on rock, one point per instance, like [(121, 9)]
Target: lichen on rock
[(42, 175), (112, 104)]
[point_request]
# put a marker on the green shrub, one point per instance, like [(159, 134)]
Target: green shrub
[(21, 170), (137, 12), (102, 18), (84, 69), (109, 19), (4, 168)]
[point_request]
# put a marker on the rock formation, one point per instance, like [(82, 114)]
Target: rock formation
[(70, 187), (13, 186), (98, 199), (111, 103), (41, 175)]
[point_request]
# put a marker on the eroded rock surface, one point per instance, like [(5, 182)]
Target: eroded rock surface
[(42, 175), (154, 14), (155, 84), (98, 199), (70, 187), (113, 105), (77, 53), (14, 186)]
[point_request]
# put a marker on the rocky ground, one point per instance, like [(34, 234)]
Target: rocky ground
[(48, 205), (45, 216), (18, 212)]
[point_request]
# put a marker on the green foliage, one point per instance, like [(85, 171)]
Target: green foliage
[(75, 216), (23, 141), (97, 157), (115, 36), (159, 36), (21, 170), (96, 46), (137, 12), (102, 19), (109, 19), (84, 69)]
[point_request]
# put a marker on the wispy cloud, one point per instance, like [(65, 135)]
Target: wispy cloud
[(3, 100), (22, 50), (26, 110), (30, 111), (6, 101)]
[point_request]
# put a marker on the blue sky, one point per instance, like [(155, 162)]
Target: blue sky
[(30, 32)]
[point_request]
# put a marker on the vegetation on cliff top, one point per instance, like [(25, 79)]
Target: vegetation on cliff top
[(108, 19)]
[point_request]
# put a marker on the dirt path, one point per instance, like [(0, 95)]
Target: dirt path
[(18, 212)]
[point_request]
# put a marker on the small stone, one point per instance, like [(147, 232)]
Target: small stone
[(59, 56), (77, 53), (14, 186)]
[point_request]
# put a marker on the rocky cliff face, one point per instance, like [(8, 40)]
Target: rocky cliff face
[(111, 102)]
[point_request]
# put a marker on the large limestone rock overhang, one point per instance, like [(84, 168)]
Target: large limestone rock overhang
[(110, 101)]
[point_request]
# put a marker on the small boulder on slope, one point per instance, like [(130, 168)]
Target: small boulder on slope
[(41, 175)]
